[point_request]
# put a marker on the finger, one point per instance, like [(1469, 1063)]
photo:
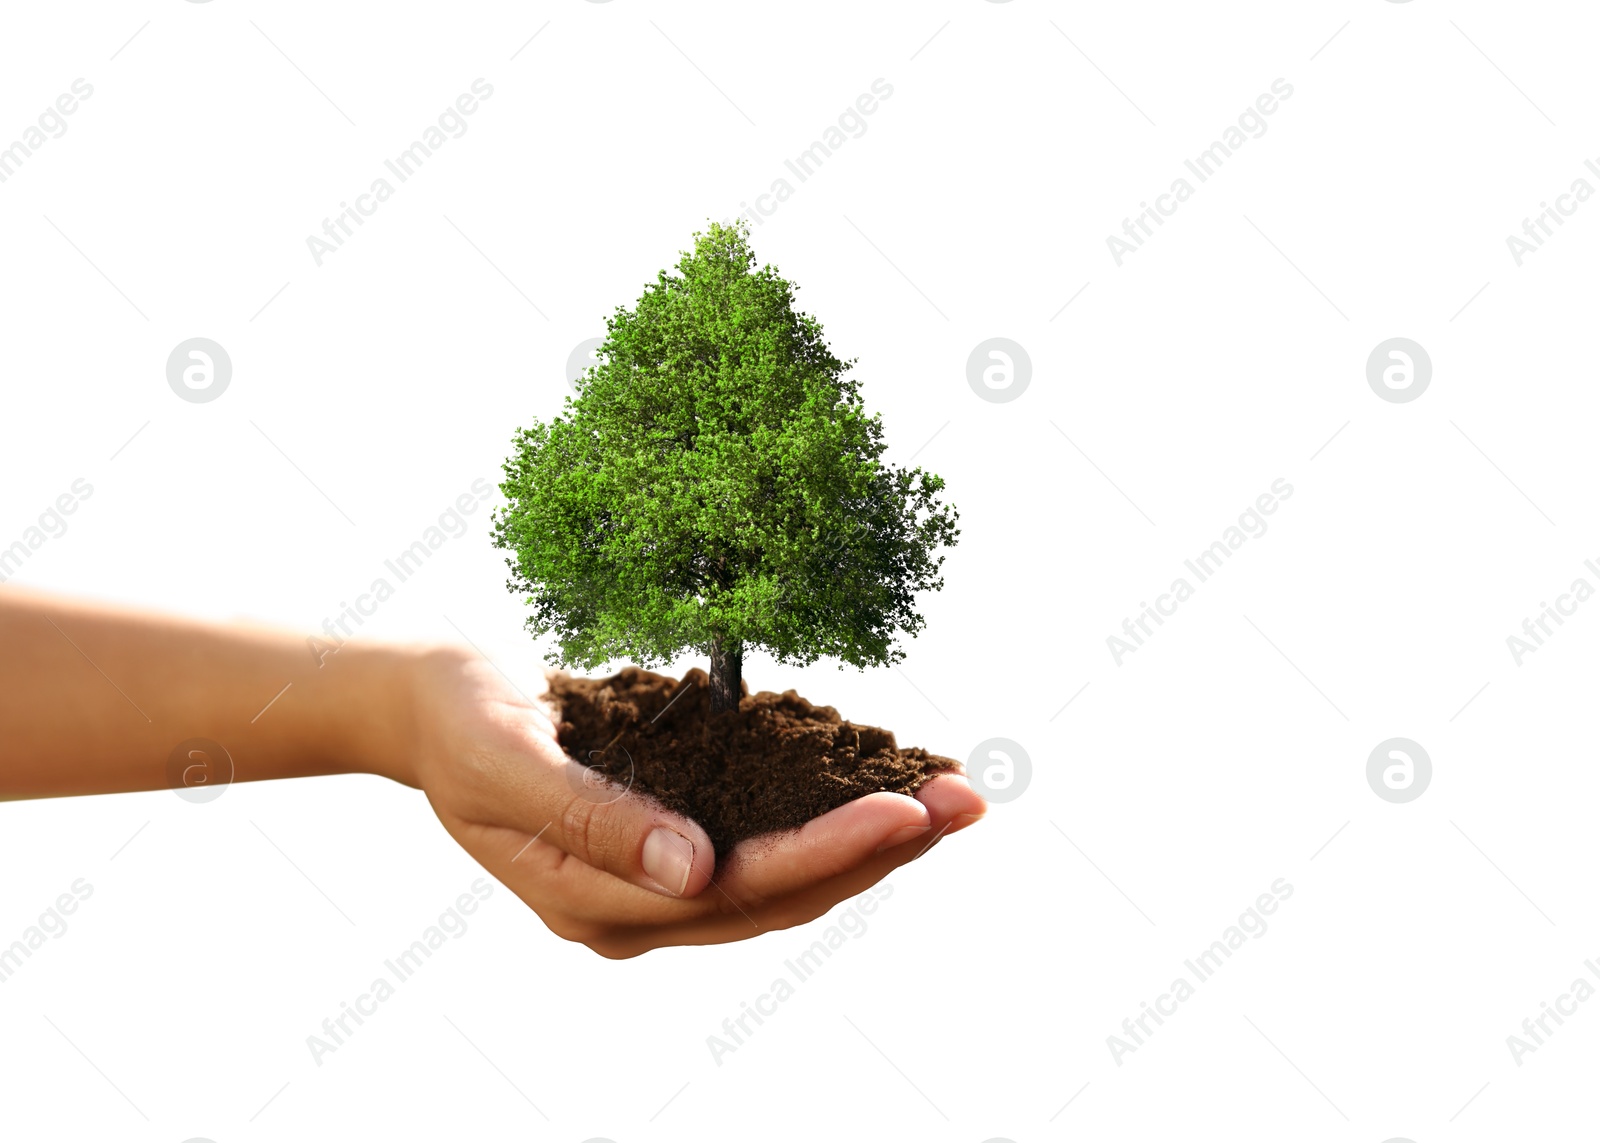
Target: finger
[(619, 920), (786, 912), (951, 802), (575, 900), (537, 789), (766, 868)]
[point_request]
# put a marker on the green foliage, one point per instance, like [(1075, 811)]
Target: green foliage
[(716, 480)]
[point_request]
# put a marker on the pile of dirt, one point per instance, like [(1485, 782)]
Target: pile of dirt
[(774, 764)]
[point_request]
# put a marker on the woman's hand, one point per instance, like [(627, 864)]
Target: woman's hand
[(614, 869), (610, 868)]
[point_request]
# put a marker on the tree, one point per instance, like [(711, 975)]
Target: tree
[(716, 485)]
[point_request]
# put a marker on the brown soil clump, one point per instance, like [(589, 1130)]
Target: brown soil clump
[(774, 764)]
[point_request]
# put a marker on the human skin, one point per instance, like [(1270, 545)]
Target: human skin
[(94, 699)]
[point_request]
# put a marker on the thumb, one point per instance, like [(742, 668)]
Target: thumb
[(614, 828)]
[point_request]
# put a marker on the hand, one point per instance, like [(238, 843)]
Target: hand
[(625, 876)]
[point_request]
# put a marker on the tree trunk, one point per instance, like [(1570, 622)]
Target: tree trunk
[(726, 660)]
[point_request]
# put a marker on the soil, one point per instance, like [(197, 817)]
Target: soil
[(773, 764)]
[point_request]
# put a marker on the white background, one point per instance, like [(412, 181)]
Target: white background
[(1225, 354)]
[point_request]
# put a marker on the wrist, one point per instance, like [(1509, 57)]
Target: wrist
[(372, 710)]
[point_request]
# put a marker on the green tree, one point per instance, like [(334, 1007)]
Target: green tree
[(716, 485)]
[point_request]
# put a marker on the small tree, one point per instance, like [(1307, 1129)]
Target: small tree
[(716, 485)]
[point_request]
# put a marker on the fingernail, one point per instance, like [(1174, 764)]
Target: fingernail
[(903, 835), (668, 857), (962, 821)]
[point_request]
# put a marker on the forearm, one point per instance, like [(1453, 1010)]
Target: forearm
[(96, 699)]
